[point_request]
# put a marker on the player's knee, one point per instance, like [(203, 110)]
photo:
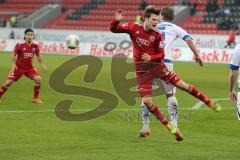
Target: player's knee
[(9, 82), (148, 102), (38, 79)]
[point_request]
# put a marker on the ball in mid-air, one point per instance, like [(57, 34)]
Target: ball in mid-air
[(72, 41)]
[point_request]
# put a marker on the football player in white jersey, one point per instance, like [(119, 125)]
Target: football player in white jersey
[(171, 32), (234, 69)]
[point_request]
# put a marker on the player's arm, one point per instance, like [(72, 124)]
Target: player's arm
[(14, 59), (14, 56), (232, 81), (40, 61), (188, 39), (234, 66), (193, 47), (116, 27)]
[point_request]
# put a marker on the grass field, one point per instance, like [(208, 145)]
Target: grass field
[(33, 132)]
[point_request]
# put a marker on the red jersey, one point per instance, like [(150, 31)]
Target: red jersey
[(143, 42), (25, 54)]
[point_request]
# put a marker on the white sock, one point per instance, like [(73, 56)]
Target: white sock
[(173, 109), (238, 113), (145, 116)]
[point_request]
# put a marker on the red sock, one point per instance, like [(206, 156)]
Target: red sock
[(3, 90), (196, 93), (157, 113), (36, 91)]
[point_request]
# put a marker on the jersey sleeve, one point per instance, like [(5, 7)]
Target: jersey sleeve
[(117, 27), (16, 48), (182, 33), (234, 65)]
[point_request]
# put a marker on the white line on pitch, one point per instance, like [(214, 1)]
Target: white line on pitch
[(85, 110)]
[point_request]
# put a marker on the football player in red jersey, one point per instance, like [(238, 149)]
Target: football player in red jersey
[(148, 54), (22, 58)]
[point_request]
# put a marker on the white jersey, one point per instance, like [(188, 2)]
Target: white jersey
[(171, 33), (235, 63)]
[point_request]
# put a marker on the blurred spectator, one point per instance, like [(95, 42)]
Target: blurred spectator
[(12, 35), (220, 23), (193, 7), (143, 5), (220, 11), (235, 27), (227, 12), (211, 6), (13, 21), (138, 19), (227, 23), (184, 2), (3, 22), (231, 42)]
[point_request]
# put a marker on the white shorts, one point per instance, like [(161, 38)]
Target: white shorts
[(168, 88)]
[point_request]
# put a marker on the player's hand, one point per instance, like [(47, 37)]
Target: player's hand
[(199, 61), (119, 15), (44, 68), (233, 97), (146, 57)]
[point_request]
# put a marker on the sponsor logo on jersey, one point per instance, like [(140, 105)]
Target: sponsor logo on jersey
[(152, 38), (141, 41), (27, 55)]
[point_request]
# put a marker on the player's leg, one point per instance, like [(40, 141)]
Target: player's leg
[(147, 100), (238, 106), (5, 86), (145, 131), (197, 93), (13, 76), (33, 74), (172, 105), (36, 89)]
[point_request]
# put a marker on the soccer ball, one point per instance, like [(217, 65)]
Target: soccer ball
[(72, 41)]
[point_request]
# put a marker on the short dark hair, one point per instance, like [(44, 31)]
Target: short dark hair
[(28, 30), (167, 13), (151, 10)]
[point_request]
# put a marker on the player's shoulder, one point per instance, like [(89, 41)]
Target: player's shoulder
[(35, 44), (20, 44)]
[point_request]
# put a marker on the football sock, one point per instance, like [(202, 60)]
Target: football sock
[(3, 90), (157, 113), (36, 91), (173, 109), (196, 93), (145, 116)]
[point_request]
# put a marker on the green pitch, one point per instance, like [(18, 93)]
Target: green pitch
[(33, 132)]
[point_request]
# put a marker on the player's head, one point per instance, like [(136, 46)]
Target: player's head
[(151, 14), (166, 14), (28, 35)]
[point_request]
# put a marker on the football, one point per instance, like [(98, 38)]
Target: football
[(72, 41)]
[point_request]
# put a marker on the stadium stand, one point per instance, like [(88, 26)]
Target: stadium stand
[(213, 18), (207, 16)]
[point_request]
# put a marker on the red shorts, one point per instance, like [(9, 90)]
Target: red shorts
[(18, 73), (146, 72)]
